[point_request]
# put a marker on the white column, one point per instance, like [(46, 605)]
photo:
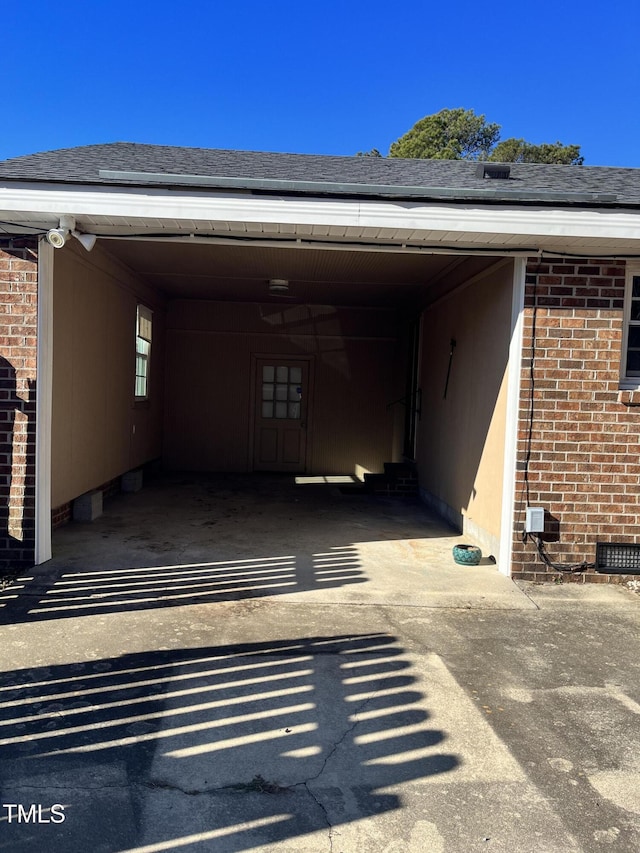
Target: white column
[(513, 409), (44, 398)]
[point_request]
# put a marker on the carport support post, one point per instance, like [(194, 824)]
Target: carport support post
[(507, 520), (44, 400)]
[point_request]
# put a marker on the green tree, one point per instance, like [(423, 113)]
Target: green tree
[(448, 135), (462, 135), (518, 151)]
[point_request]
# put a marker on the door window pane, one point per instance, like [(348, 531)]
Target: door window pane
[(281, 392)]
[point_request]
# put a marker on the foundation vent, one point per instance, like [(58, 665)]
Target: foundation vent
[(617, 558)]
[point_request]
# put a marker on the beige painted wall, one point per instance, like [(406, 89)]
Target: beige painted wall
[(98, 432), (209, 363), (461, 438)]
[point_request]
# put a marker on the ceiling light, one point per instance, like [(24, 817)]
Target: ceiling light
[(278, 285)]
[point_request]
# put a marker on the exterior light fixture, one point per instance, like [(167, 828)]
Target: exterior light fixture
[(57, 237), (88, 241), (278, 286)]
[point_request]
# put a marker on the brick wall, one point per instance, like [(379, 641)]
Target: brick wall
[(18, 321), (583, 442), (61, 515)]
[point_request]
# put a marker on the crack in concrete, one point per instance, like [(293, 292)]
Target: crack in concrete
[(162, 785), (330, 754), (324, 810), (347, 732), (235, 788)]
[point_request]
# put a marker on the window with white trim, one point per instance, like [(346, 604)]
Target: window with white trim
[(143, 351)]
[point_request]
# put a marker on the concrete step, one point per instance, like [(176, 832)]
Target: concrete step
[(396, 471), (399, 479)]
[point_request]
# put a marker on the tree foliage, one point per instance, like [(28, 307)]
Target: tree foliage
[(462, 135), (518, 151), (448, 135)]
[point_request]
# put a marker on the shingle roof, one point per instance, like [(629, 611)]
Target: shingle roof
[(371, 176)]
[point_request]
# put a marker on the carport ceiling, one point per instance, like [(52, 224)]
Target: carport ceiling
[(240, 273)]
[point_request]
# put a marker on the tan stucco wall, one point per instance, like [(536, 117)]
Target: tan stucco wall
[(461, 438), (97, 431), (209, 364)]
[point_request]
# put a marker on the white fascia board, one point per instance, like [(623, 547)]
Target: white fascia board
[(155, 204)]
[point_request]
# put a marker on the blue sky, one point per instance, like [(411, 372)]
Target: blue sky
[(326, 78)]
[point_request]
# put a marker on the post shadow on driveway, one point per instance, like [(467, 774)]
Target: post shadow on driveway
[(219, 748), (68, 593)]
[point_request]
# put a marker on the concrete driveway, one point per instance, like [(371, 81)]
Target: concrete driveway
[(234, 664)]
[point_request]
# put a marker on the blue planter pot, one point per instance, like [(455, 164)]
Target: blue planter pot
[(467, 555)]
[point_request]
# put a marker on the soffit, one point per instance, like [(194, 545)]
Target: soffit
[(315, 276)]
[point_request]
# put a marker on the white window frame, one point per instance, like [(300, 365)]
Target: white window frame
[(628, 382), (144, 326)]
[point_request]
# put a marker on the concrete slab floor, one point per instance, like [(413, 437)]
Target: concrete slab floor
[(203, 672), (220, 538)]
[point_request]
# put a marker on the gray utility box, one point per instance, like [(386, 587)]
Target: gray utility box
[(534, 520)]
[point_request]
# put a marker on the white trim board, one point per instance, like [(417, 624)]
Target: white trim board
[(44, 401), (443, 219), (511, 426)]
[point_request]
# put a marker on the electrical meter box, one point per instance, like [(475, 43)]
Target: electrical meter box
[(534, 520)]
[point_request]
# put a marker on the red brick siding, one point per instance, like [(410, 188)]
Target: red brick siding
[(61, 515), (584, 453), (18, 330)]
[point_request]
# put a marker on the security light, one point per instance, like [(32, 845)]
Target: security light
[(57, 237), (87, 240)]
